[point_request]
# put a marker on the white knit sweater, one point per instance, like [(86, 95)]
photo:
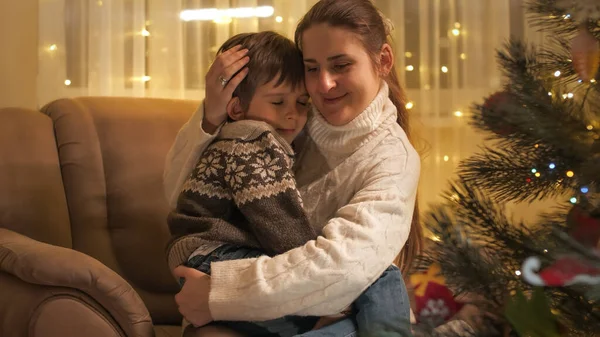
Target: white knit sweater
[(358, 183)]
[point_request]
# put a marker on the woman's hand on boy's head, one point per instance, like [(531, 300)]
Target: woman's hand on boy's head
[(192, 300), (221, 82)]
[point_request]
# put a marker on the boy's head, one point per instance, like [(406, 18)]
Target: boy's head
[(273, 90)]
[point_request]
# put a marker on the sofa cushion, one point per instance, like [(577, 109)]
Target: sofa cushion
[(32, 197), (112, 153)]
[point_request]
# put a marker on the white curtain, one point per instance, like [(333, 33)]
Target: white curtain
[(140, 47), (445, 54)]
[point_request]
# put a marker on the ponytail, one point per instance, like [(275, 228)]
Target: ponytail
[(414, 244)]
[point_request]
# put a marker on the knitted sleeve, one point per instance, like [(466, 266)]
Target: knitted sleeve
[(326, 275), (259, 174)]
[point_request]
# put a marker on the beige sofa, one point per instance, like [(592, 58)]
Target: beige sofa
[(82, 218)]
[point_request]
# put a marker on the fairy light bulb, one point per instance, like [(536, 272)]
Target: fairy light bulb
[(584, 190), (552, 166), (537, 174), (557, 73), (533, 170), (570, 174), (573, 200), (518, 273)]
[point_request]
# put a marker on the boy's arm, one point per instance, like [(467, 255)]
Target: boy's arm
[(189, 144), (259, 173)]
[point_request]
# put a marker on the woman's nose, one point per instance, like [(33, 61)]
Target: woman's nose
[(326, 81)]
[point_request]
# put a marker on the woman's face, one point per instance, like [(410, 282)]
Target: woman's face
[(340, 77)]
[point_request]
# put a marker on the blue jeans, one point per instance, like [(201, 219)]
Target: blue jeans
[(383, 310)]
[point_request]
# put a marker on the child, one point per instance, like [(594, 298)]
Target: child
[(241, 199)]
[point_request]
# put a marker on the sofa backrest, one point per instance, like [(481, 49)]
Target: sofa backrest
[(32, 198), (112, 153)]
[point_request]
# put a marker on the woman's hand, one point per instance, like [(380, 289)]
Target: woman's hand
[(192, 300), (220, 84)]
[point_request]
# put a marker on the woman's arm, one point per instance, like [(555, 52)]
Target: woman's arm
[(326, 275)]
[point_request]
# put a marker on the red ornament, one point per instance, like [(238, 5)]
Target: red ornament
[(494, 107), (583, 227), (435, 303), (565, 271)]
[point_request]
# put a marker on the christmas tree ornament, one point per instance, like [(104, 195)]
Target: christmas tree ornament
[(580, 10), (435, 303), (565, 271), (494, 109), (583, 227), (585, 54)]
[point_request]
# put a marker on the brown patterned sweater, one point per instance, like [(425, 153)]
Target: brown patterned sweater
[(243, 192)]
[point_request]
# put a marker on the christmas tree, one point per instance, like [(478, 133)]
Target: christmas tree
[(532, 279)]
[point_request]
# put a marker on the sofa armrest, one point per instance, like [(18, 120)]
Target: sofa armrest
[(34, 310), (38, 263)]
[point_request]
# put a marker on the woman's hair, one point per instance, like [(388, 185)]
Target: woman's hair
[(364, 19)]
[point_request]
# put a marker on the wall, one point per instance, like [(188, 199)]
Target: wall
[(19, 57)]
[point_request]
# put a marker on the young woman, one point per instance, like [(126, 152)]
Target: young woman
[(356, 170)]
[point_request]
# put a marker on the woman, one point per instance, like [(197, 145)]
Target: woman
[(357, 173)]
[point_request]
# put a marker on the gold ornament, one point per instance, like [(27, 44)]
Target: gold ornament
[(585, 53)]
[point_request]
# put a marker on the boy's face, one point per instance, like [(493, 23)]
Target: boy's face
[(284, 108)]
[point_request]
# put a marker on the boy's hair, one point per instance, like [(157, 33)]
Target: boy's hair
[(271, 54)]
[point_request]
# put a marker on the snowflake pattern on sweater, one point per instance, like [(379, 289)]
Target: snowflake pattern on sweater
[(243, 192)]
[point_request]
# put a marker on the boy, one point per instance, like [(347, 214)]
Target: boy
[(242, 196)]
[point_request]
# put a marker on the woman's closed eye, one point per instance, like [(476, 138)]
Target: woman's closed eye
[(277, 103), (341, 66)]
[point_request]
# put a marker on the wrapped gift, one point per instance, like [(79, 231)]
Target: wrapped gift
[(435, 303)]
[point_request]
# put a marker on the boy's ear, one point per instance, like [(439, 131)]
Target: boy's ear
[(234, 109)]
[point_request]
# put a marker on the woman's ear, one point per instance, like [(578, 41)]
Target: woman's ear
[(386, 59), (234, 109)]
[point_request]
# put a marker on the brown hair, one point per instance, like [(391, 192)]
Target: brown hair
[(271, 55), (363, 19)]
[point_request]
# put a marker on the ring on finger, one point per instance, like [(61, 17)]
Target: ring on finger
[(223, 81)]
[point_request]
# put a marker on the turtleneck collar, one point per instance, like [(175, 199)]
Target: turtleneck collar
[(348, 138)]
